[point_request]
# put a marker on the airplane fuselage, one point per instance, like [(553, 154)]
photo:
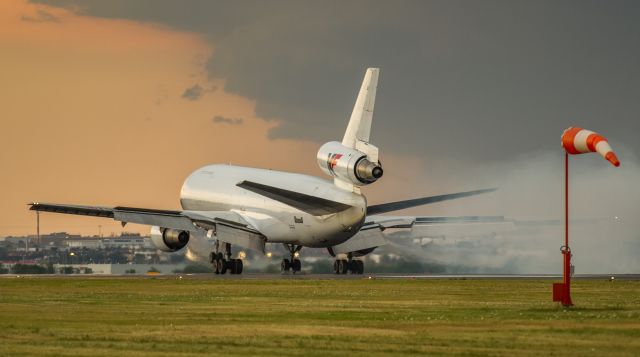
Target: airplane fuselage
[(215, 188)]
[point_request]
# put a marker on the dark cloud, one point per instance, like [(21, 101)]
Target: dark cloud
[(193, 93), (40, 16), (468, 80), (230, 121)]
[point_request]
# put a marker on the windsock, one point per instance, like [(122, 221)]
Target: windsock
[(580, 141)]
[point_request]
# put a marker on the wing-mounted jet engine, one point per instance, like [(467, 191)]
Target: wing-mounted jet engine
[(169, 240)]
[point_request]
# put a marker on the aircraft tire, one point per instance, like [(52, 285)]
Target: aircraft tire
[(352, 266), (344, 266), (297, 265), (359, 267), (223, 265), (239, 266), (285, 265)]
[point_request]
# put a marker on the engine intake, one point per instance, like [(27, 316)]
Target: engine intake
[(169, 240)]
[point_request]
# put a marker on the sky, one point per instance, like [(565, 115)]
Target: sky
[(116, 102)]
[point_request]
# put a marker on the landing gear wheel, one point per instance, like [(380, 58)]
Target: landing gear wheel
[(352, 266), (213, 259), (359, 266), (296, 265), (235, 266), (343, 265), (222, 266), (285, 265), (336, 266)]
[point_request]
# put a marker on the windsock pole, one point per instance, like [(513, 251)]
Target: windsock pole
[(566, 251), (562, 291), (576, 141)]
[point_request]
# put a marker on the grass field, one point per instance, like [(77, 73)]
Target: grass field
[(167, 316)]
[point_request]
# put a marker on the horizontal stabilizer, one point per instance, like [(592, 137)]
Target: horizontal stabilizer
[(395, 206), (311, 204)]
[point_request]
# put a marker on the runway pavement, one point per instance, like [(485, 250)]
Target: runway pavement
[(303, 276)]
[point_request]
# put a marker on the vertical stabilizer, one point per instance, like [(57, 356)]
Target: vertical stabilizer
[(359, 126)]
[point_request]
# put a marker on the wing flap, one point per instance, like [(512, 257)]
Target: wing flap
[(241, 238), (363, 240), (153, 219)]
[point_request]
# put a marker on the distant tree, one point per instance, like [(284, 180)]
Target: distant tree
[(130, 271), (3, 253), (3, 270), (28, 269), (50, 269), (153, 270), (88, 271)]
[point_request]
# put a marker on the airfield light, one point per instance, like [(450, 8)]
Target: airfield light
[(242, 255), (72, 254), (575, 141)]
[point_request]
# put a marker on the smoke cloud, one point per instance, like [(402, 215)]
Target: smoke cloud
[(604, 211)]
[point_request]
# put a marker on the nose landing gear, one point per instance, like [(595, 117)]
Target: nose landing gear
[(294, 264)]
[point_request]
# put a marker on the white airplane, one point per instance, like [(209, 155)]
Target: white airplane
[(225, 205)]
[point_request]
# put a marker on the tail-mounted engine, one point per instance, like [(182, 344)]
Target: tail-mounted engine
[(348, 164), (169, 240)]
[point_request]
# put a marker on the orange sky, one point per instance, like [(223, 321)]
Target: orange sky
[(92, 113)]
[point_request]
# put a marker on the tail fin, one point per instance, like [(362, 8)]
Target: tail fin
[(359, 126)]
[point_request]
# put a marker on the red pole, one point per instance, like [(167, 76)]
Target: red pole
[(566, 298), (566, 200)]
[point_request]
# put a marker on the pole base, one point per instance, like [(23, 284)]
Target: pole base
[(561, 294)]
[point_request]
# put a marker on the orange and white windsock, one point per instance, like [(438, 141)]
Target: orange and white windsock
[(580, 141)]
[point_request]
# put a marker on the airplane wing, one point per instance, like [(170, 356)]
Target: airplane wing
[(438, 226), (372, 235), (230, 227), (395, 206)]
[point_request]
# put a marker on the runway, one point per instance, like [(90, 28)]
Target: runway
[(303, 276)]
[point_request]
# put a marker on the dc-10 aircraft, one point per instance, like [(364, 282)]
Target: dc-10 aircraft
[(225, 205)]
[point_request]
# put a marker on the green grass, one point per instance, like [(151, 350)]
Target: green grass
[(146, 316)]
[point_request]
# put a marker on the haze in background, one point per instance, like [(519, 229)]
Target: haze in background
[(117, 102)]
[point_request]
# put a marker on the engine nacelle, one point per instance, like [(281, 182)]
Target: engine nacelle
[(348, 164), (169, 240)]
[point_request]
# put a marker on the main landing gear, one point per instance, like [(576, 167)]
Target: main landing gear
[(293, 263), (223, 262), (350, 265)]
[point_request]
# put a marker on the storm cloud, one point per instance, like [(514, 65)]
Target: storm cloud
[(40, 16), (468, 80)]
